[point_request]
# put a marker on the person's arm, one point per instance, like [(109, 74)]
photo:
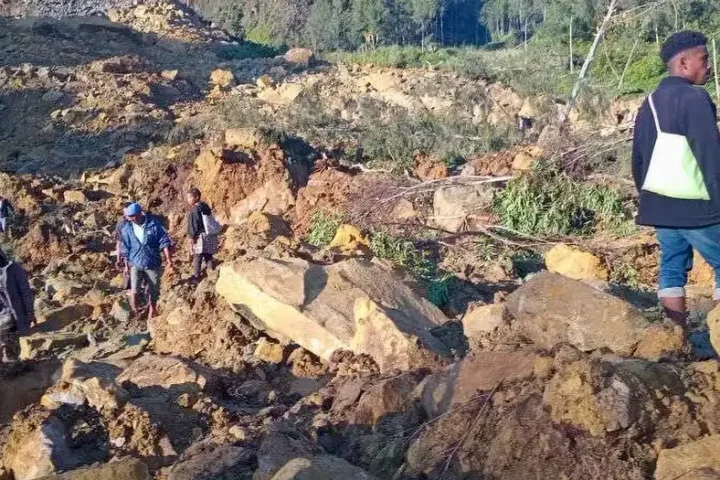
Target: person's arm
[(124, 246), (165, 243), (639, 147), (700, 117)]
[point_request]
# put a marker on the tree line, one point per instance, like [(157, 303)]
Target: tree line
[(366, 24)]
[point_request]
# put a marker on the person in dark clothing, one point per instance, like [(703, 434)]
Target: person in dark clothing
[(6, 211), (142, 241), (203, 243), (676, 168), (17, 307)]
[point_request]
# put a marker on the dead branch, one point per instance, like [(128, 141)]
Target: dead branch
[(431, 185)]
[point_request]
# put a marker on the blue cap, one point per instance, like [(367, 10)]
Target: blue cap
[(133, 209)]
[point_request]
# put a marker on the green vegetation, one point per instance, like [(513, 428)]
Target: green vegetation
[(549, 202), (416, 262), (248, 49), (323, 226)]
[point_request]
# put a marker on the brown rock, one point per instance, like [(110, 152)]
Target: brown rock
[(479, 372), (660, 340), (275, 197), (322, 467), (698, 460), (74, 196), (171, 75), (277, 449), (551, 309), (128, 469), (348, 239), (212, 461), (404, 210), (269, 352), (265, 81), (242, 138), (428, 169), (168, 372), (34, 346), (222, 78), (390, 396), (93, 383), (300, 56), (575, 263), (344, 306), (485, 319), (20, 391), (460, 207)]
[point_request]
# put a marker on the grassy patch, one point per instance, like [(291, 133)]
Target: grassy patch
[(323, 226), (548, 202)]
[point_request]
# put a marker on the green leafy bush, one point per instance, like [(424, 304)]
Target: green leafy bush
[(247, 49), (547, 201), (323, 226)]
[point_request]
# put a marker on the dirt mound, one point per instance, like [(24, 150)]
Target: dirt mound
[(60, 8)]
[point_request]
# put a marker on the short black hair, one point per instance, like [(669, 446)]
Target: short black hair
[(681, 41), (194, 192)]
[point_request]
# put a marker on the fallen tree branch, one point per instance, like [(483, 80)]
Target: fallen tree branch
[(424, 187)]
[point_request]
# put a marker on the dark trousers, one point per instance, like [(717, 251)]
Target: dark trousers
[(197, 263)]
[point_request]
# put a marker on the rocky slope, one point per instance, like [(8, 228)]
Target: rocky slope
[(298, 361)]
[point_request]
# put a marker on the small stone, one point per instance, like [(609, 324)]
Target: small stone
[(238, 432), (484, 319), (121, 310), (300, 56), (269, 352), (265, 81), (222, 78), (171, 75), (575, 263), (74, 196)]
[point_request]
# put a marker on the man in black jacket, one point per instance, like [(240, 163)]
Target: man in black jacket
[(679, 108), (17, 307), (203, 244)]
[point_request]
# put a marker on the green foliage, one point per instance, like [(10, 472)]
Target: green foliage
[(323, 226), (416, 262), (548, 202), (625, 274)]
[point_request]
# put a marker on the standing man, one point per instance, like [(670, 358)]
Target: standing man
[(676, 167), (203, 243), (6, 210), (17, 308), (142, 241)]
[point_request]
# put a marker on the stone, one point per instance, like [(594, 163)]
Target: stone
[(19, 391), (93, 383), (269, 352), (171, 75), (551, 309), (282, 95), (479, 372), (660, 340), (321, 467), (348, 239), (168, 372), (457, 207), (60, 318), (427, 169), (575, 263), (274, 197), (300, 56), (485, 319), (120, 310), (242, 138), (713, 323), (404, 210), (386, 397), (305, 386), (605, 396), (336, 307), (62, 289), (697, 460), (74, 196), (277, 449), (265, 81), (206, 461), (222, 78), (34, 346), (127, 469)]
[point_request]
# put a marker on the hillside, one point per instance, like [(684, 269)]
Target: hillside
[(425, 274)]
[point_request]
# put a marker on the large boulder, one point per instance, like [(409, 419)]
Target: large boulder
[(551, 309), (41, 344), (208, 461), (322, 467), (20, 391), (698, 460), (300, 56), (460, 207), (344, 306), (128, 469), (91, 383), (278, 448)]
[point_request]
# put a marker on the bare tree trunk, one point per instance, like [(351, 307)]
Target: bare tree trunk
[(586, 65), (572, 60), (627, 64), (717, 82)]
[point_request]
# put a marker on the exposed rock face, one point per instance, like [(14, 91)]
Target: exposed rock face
[(575, 263), (347, 305), (322, 467), (551, 309), (168, 372), (699, 460)]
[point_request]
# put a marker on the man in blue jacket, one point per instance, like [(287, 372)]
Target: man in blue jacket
[(676, 167), (142, 240)]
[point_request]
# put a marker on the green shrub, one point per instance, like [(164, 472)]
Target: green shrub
[(547, 201), (323, 226), (247, 49)]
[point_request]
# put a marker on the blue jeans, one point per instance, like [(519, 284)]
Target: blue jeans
[(676, 257)]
